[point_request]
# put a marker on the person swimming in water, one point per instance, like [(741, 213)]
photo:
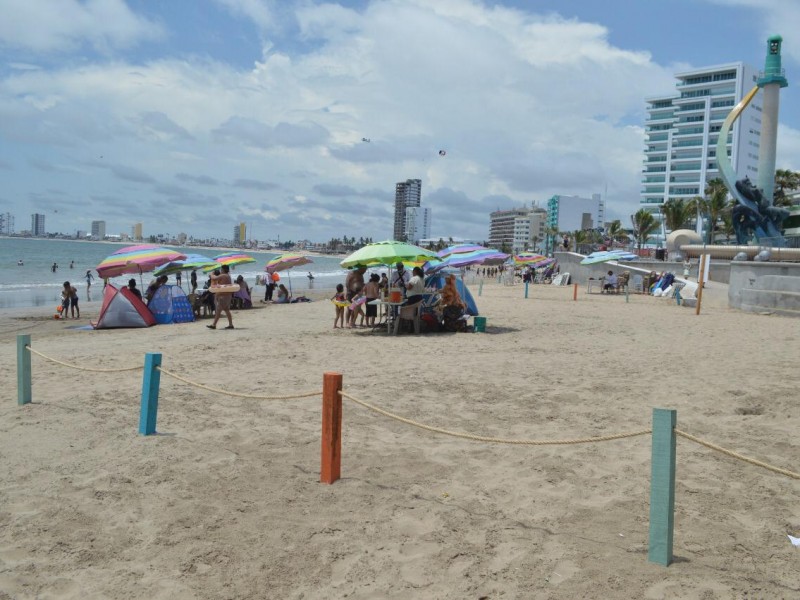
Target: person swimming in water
[(310, 276), (20, 263)]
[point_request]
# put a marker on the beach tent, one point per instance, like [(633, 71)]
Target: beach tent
[(169, 304), (121, 308), (437, 281)]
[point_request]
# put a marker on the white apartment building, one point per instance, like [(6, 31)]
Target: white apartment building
[(406, 194), (529, 230), (681, 131), (417, 224)]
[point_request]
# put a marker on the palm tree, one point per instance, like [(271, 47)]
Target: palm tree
[(697, 205), (677, 213), (716, 202), (644, 224), (785, 181), (550, 234), (616, 232)]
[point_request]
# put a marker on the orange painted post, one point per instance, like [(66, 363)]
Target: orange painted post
[(331, 463), (575, 292)]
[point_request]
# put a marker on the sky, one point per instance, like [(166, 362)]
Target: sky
[(194, 115)]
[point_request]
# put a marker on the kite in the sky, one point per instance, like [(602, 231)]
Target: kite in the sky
[(442, 152), (365, 140)]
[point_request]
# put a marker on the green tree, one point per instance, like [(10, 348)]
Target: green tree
[(677, 213), (716, 203), (616, 232), (785, 181), (644, 225)]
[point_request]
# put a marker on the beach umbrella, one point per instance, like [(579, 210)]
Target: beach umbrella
[(606, 256), (192, 261), (387, 253), (286, 262), (136, 259), (484, 256), (231, 259), (528, 258), (460, 249)]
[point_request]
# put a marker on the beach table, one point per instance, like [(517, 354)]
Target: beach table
[(385, 308)]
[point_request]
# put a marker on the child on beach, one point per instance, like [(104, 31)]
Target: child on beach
[(339, 301)]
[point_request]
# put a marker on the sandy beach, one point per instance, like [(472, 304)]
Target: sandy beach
[(225, 501)]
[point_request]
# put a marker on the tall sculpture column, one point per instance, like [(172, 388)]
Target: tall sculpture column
[(770, 81)]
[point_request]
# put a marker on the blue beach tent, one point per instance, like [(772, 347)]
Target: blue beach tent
[(437, 281), (170, 305)]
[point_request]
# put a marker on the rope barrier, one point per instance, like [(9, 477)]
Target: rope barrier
[(237, 394), (71, 366), (481, 438), (733, 454)]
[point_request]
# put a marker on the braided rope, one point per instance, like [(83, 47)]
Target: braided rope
[(481, 438), (733, 454), (237, 394), (79, 368)]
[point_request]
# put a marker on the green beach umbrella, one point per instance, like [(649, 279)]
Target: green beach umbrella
[(387, 253)]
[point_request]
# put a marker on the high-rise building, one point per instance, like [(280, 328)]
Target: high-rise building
[(573, 213), (682, 129), (37, 225), (501, 227), (529, 230), (406, 194), (136, 232), (98, 230), (239, 233), (418, 224)]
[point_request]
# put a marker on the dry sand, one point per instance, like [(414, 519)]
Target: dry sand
[(225, 502)]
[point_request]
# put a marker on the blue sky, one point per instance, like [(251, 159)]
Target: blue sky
[(191, 116)]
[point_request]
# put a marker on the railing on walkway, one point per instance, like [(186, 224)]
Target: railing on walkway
[(663, 444)]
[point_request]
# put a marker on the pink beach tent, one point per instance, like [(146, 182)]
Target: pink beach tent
[(121, 308)]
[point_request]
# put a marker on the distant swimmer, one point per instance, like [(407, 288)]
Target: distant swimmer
[(310, 276), (54, 268), (20, 263), (72, 264)]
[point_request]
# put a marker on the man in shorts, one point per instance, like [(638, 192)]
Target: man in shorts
[(222, 299)]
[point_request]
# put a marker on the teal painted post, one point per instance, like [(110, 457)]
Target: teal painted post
[(150, 382), (480, 288), (678, 297), (23, 369), (526, 289), (662, 487)]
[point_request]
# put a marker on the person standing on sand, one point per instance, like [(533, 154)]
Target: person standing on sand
[(89, 278), (70, 295), (193, 280), (354, 282), (222, 300)]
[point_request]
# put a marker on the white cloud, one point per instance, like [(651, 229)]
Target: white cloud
[(519, 120), (776, 17), (64, 25)]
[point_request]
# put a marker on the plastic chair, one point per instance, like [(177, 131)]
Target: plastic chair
[(409, 313), (637, 283)]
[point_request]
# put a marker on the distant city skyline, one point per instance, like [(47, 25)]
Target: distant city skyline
[(297, 118)]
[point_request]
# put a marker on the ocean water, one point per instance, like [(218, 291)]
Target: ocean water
[(34, 283)]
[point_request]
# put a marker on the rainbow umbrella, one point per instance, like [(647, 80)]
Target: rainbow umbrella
[(192, 261), (286, 262), (484, 256), (460, 249), (136, 259), (231, 259), (527, 258)]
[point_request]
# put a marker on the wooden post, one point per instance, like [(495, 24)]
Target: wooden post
[(662, 487), (150, 383), (526, 289), (575, 292), (700, 276), (331, 455), (23, 369), (626, 293)]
